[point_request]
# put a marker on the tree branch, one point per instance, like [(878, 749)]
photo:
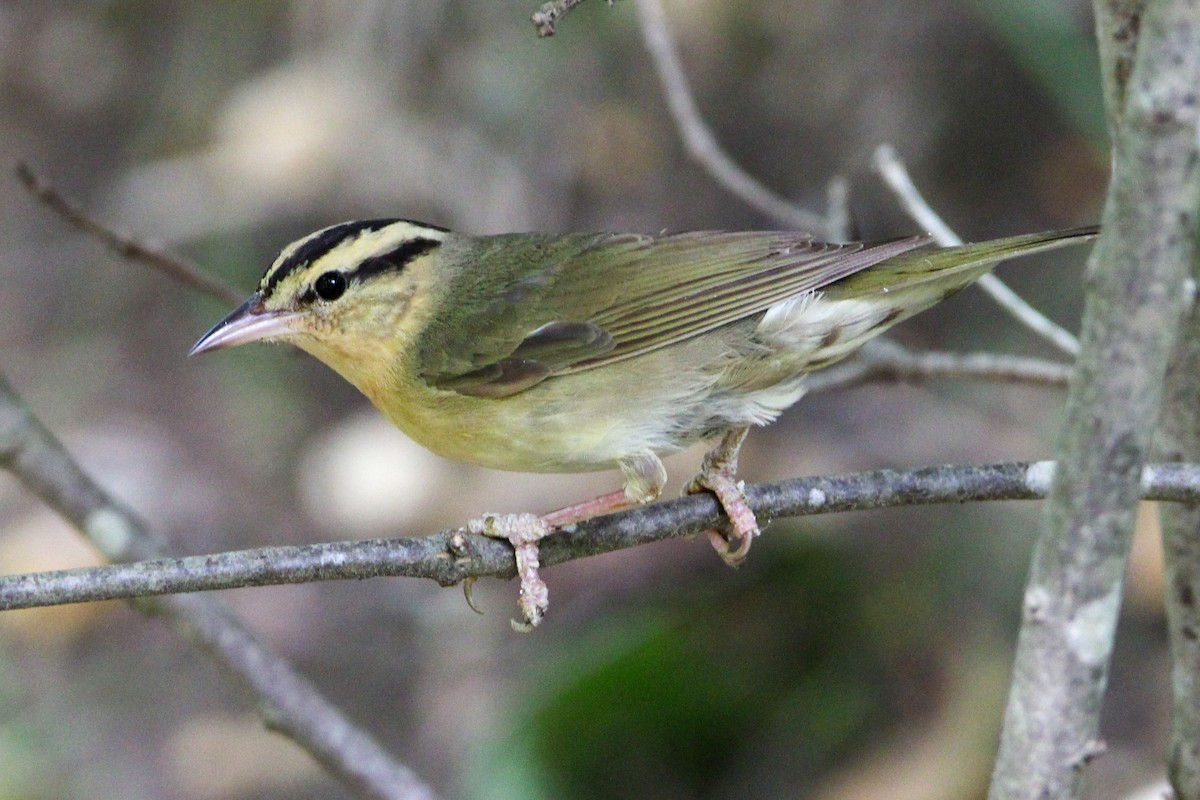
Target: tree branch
[(1136, 300), (1178, 437), (452, 556), (546, 17), (288, 702), (1118, 23), (885, 360), (125, 246)]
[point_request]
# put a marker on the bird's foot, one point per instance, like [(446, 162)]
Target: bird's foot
[(535, 597), (742, 522), (717, 475), (523, 532)]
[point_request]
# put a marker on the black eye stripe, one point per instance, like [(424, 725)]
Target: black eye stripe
[(393, 261)]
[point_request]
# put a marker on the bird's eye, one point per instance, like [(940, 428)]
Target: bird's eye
[(331, 285)]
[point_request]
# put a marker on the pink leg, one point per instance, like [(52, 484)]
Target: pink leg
[(644, 477), (604, 504), (717, 475), (523, 532)]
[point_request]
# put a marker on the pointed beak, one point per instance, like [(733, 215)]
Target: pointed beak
[(249, 322)]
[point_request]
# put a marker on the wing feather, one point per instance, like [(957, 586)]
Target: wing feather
[(554, 305)]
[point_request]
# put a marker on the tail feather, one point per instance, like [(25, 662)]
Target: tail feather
[(948, 269), (818, 328)]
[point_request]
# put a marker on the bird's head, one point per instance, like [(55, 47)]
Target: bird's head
[(344, 294)]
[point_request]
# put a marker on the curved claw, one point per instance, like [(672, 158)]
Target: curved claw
[(468, 586)]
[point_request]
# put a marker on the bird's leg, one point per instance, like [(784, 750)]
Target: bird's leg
[(717, 475), (644, 479), (604, 504), (523, 532)]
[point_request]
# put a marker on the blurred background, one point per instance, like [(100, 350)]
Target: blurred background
[(858, 656)]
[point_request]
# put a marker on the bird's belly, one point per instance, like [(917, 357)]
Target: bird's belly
[(559, 425), (660, 402)]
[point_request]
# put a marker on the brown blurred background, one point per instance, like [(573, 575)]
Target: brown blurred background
[(859, 656)]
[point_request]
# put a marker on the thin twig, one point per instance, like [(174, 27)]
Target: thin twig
[(545, 18), (885, 360), (288, 702), (125, 246), (452, 556), (699, 140), (895, 175)]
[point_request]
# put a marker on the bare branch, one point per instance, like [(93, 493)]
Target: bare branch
[(287, 701), (699, 140), (452, 556), (550, 13), (895, 175), (127, 247), (885, 360)]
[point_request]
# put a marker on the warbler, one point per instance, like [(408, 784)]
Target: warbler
[(584, 351)]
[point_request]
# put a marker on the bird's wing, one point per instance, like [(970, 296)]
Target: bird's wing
[(554, 305)]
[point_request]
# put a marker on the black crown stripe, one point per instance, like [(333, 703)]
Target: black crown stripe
[(320, 244), (393, 261)]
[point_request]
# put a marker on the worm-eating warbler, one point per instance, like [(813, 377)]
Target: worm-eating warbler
[(578, 352)]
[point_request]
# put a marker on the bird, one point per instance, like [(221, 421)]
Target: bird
[(578, 352)]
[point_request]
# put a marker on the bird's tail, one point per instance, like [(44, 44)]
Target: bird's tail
[(945, 270)]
